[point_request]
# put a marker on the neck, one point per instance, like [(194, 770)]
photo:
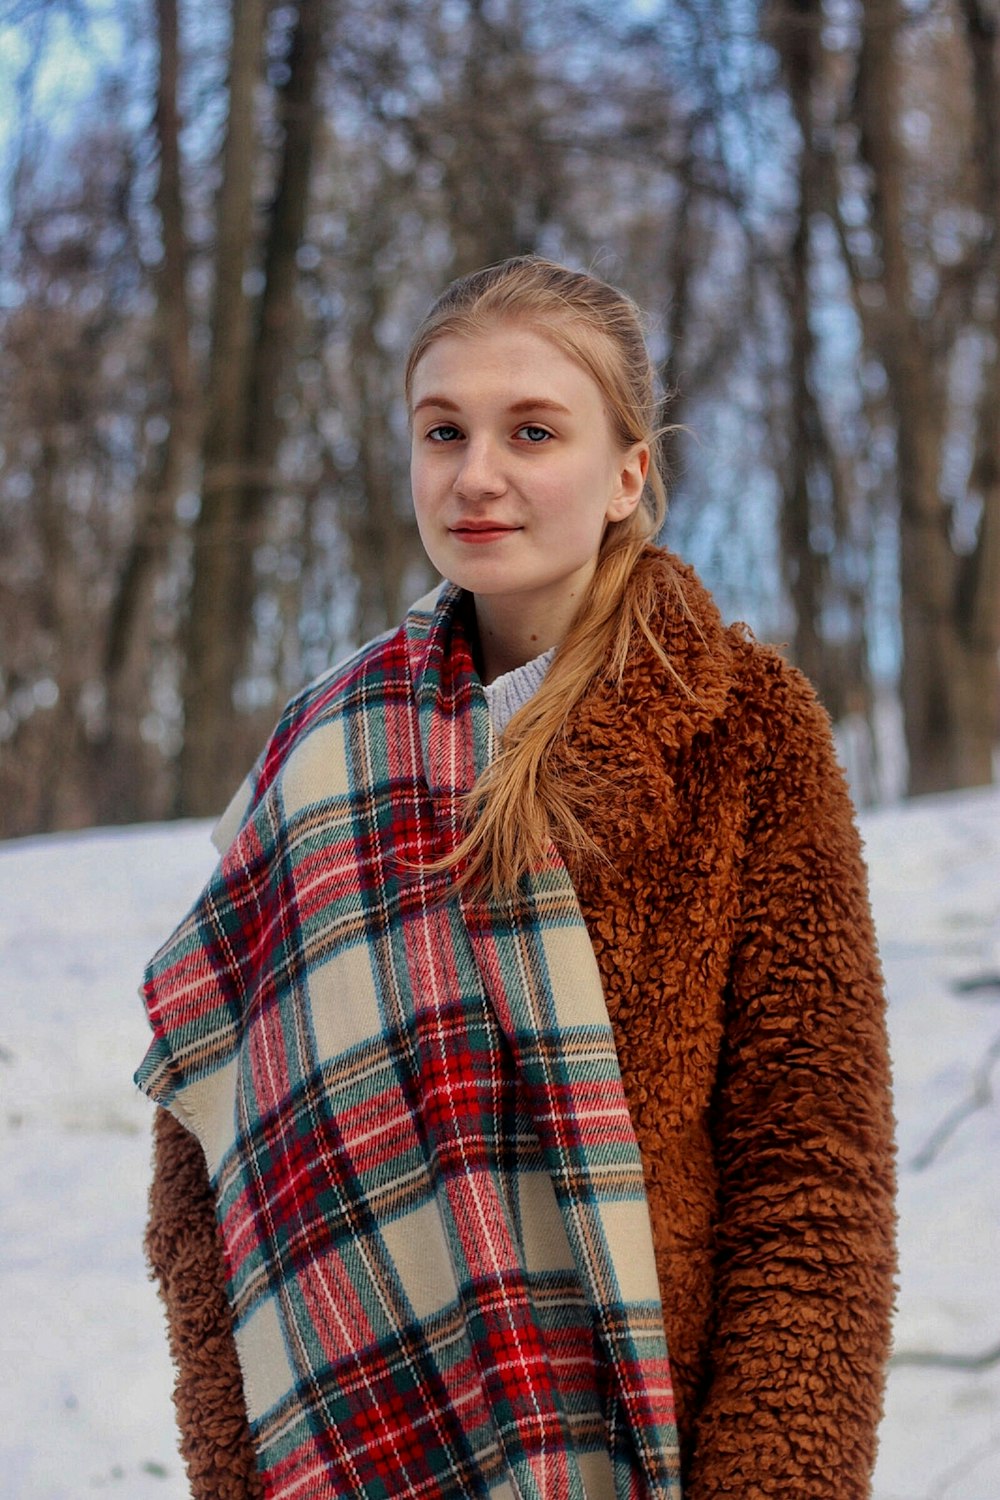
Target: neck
[(514, 630)]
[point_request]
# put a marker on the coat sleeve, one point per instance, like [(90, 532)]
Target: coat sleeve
[(185, 1255), (804, 1143)]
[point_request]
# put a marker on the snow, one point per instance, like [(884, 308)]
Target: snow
[(85, 1402)]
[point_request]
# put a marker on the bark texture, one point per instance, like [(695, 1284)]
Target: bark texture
[(253, 338), (171, 470), (950, 617)]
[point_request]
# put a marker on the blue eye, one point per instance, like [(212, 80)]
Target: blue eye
[(534, 434), (444, 433)]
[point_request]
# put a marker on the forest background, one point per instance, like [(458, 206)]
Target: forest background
[(221, 223)]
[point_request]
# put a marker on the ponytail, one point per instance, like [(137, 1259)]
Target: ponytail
[(519, 805)]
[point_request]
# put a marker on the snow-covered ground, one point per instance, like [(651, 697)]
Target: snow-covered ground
[(84, 1397)]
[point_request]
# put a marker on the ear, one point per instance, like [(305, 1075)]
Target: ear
[(630, 481)]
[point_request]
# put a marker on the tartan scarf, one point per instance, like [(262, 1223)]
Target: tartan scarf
[(429, 1192)]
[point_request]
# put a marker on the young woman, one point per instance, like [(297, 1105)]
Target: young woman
[(533, 1012)]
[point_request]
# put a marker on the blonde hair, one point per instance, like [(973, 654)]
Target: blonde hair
[(518, 805)]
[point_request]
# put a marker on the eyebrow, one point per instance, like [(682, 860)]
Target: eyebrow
[(527, 404)]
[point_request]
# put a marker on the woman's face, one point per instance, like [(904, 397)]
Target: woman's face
[(514, 469)]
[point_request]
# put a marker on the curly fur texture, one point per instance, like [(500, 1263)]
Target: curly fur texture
[(184, 1251), (730, 922)]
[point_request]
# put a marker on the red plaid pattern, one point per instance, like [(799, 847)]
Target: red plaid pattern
[(428, 1186)]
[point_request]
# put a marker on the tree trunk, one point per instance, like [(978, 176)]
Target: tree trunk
[(948, 744), (249, 363), (213, 649), (277, 318), (383, 543), (679, 274), (978, 595), (797, 36), (128, 766)]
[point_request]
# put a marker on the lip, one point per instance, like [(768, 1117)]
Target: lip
[(481, 531)]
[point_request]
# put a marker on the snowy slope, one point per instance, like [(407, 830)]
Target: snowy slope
[(84, 1402)]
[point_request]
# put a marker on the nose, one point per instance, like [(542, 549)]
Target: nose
[(480, 474)]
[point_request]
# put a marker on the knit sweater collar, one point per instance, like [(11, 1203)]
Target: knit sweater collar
[(511, 691)]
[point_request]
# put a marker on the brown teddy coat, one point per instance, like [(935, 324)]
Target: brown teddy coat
[(731, 926)]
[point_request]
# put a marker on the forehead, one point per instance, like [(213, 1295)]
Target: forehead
[(503, 363)]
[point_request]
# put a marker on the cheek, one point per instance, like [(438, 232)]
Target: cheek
[(581, 500), (418, 481)]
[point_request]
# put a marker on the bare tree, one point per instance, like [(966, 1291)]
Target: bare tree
[(73, 442), (817, 506), (950, 630), (129, 758), (252, 335), (203, 444)]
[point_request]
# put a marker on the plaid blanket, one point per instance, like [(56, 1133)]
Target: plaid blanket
[(428, 1187)]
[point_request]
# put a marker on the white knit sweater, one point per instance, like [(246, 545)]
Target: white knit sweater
[(506, 694)]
